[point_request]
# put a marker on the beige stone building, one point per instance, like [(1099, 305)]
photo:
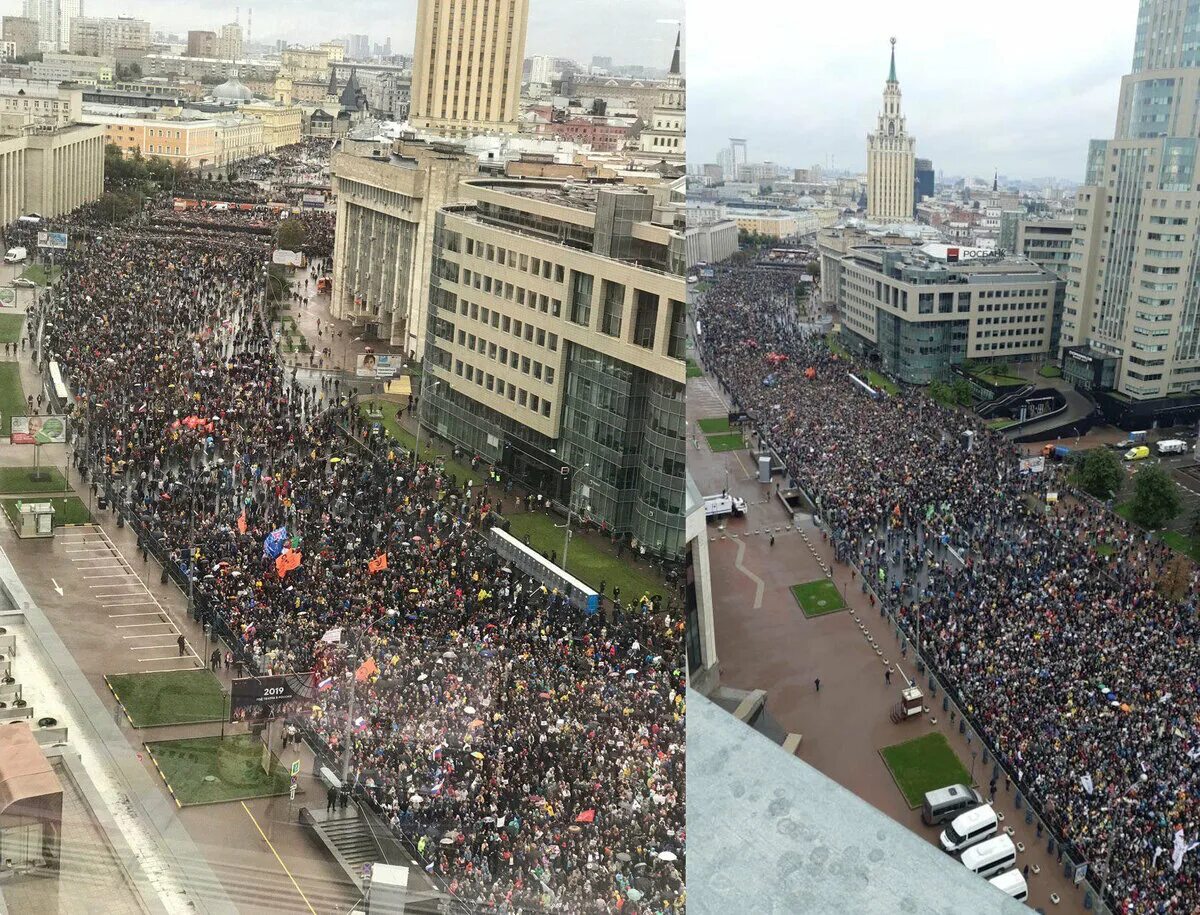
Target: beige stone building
[(23, 33), (48, 171), (556, 346), (467, 64), (192, 143), (229, 42), (891, 159), (384, 242), (79, 68), (47, 103), (281, 123), (666, 137), (102, 37), (238, 137)]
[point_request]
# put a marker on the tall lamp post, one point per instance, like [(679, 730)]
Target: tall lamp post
[(570, 513), (420, 420)]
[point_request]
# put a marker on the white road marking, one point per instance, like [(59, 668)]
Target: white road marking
[(143, 625), (113, 616)]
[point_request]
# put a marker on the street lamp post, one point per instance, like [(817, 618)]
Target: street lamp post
[(420, 421), (570, 512)]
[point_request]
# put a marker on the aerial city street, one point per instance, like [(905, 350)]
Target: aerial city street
[(342, 460)]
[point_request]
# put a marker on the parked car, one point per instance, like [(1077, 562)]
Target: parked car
[(24, 282)]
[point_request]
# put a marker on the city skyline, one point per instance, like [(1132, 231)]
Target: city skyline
[(1003, 97), (576, 29)]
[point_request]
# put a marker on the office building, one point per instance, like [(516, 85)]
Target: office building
[(710, 241), (387, 197), (103, 37), (229, 42), (49, 104), (201, 43), (467, 66), (700, 631), (54, 19), (1133, 301), (891, 158), (925, 184), (924, 310), (665, 138), (191, 143), (23, 33), (47, 170), (556, 347), (80, 68), (541, 70), (358, 47)]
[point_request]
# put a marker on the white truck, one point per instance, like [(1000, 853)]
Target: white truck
[(15, 256), (1172, 446), (722, 505)]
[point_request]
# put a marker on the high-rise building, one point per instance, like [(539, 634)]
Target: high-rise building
[(467, 66), (54, 21), (102, 37), (541, 70), (924, 180), (229, 42), (891, 159), (358, 47), (1131, 326), (555, 347), (201, 43), (23, 33)]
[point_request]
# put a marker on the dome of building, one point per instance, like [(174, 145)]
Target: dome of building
[(232, 90)]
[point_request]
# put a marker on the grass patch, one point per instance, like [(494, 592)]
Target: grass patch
[(12, 395), (70, 510), (1125, 510), (173, 697), (694, 370), (1182, 543), (729, 442), (924, 764), (407, 440), (42, 275), (10, 328), (1002, 423), (999, 381), (212, 770), (1105, 550), (1050, 371), (816, 598), (835, 346), (20, 480), (590, 559), (883, 383), (713, 425)]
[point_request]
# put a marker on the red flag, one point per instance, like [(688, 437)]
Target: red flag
[(365, 670), (378, 564), (288, 560), (588, 816)]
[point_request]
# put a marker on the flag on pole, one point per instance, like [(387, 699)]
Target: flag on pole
[(333, 636), (378, 564), (325, 684), (273, 544), (588, 816), (365, 670)]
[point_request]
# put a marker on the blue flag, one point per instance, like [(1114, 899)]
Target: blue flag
[(273, 545)]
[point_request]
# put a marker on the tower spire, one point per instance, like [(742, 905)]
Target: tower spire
[(892, 69), (675, 58)]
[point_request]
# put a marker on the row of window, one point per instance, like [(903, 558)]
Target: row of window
[(509, 325), (506, 257), (512, 358), (501, 388), (543, 303)]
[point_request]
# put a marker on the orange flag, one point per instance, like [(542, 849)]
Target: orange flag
[(242, 522), (365, 670), (288, 560), (378, 564)]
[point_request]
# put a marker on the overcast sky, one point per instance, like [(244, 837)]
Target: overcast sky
[(1020, 86), (625, 30)]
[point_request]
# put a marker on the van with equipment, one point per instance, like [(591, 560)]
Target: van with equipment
[(945, 804), (1013, 883), (969, 829), (722, 505), (987, 859), (1172, 446), (1137, 453)]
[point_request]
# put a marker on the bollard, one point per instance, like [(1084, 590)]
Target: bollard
[(1019, 802), (986, 758), (904, 650), (1087, 900), (1039, 829), (1067, 868), (920, 667)]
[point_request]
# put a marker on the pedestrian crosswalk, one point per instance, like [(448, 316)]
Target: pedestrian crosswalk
[(114, 589)]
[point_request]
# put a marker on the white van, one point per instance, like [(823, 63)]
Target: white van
[(722, 505), (969, 829), (1013, 883), (1172, 446), (987, 859)]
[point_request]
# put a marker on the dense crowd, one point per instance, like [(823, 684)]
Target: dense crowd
[(246, 216), (533, 753), (1049, 627)]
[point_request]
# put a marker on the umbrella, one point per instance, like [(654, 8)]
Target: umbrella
[(450, 654), (335, 460), (470, 710), (477, 755), (667, 856), (634, 894), (624, 856), (422, 677)]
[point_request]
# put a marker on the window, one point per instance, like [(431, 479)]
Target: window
[(581, 298)]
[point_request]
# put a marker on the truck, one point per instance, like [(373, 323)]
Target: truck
[(1133, 440), (15, 256), (722, 505), (1056, 452), (1172, 446)]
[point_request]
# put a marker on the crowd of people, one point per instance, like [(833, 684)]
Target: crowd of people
[(1051, 628), (533, 754)]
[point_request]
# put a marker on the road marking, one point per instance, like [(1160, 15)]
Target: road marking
[(165, 670), (167, 657), (759, 584), (99, 548), (129, 603), (141, 625), (152, 635), (113, 616), (152, 648), (121, 575), (279, 859)]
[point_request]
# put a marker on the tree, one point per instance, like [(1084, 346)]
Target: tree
[(119, 206), (1177, 578), (290, 235), (1099, 473), (960, 389), (1155, 498)]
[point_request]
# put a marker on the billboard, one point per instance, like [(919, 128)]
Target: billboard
[(287, 258), (264, 698), (39, 430), (377, 365), (1033, 464), (55, 241)]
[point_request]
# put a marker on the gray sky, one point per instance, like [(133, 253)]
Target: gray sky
[(1020, 86), (625, 30)]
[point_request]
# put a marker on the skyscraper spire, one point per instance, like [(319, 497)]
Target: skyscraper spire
[(675, 58), (892, 69), (995, 181)]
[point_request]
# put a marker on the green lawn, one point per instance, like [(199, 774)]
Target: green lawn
[(816, 598), (1189, 546), (883, 383), (924, 764), (713, 425), (1104, 550), (1001, 423), (20, 479), (70, 510), (10, 328), (213, 770), (730, 442), (590, 559), (428, 451), (43, 276), (1050, 371), (694, 370), (172, 697), (12, 395), (1000, 381), (835, 345)]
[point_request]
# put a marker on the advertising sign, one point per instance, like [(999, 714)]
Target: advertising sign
[(377, 365), (1033, 464), (287, 258), (264, 698), (39, 430), (56, 241)]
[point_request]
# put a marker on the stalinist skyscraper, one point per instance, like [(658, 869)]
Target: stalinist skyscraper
[(891, 159)]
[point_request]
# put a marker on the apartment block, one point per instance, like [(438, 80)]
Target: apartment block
[(103, 37)]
